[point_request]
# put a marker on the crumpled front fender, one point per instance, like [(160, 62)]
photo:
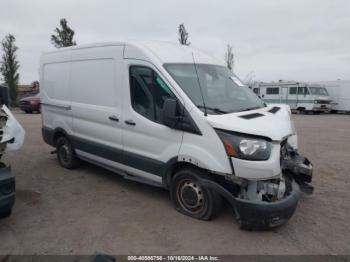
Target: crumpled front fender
[(13, 132)]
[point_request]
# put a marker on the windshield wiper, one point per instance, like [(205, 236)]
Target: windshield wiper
[(216, 110)]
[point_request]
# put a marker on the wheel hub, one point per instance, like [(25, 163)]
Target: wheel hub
[(65, 153), (191, 195)]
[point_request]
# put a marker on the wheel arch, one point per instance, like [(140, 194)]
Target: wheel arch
[(50, 136), (173, 165), (59, 132)]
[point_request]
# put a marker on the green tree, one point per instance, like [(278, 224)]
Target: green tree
[(63, 36), (9, 66)]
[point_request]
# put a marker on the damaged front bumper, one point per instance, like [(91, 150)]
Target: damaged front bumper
[(7, 190), (260, 215)]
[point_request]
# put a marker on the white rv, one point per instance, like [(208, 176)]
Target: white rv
[(299, 96), (339, 92), (172, 116)]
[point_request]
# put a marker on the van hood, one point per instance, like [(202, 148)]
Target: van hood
[(273, 121)]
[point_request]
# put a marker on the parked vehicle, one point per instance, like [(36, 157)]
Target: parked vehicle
[(339, 92), (171, 116), (4, 94), (11, 139), (30, 104), (299, 96)]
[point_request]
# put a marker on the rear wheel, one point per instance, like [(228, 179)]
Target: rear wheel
[(28, 111), (191, 198), (65, 153)]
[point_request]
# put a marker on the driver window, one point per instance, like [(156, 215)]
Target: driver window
[(303, 90), (148, 92)]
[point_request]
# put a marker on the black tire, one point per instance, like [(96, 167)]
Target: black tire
[(192, 199), (28, 111), (302, 111), (6, 213), (65, 153)]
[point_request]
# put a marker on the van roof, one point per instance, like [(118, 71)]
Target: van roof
[(166, 52)]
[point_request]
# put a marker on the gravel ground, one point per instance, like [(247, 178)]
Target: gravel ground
[(91, 210)]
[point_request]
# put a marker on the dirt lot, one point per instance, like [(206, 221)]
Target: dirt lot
[(92, 210)]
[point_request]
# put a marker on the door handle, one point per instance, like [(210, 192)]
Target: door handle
[(130, 122), (113, 118)]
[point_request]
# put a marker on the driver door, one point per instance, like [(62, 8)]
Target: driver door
[(148, 144)]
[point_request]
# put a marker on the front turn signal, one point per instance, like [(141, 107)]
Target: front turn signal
[(230, 150)]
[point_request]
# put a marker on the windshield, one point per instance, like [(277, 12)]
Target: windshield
[(319, 91), (222, 91)]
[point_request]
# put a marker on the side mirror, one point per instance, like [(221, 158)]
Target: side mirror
[(169, 112)]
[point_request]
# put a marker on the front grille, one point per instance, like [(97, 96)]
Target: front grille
[(325, 102)]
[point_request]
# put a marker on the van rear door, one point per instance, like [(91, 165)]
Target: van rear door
[(55, 93)]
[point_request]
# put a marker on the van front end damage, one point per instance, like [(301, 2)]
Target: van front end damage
[(11, 139), (264, 204)]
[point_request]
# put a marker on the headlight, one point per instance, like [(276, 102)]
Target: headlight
[(249, 148)]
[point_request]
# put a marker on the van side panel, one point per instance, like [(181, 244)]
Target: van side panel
[(96, 89)]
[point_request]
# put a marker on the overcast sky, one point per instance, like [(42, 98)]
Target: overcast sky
[(304, 40)]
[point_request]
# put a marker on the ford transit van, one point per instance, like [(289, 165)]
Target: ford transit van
[(172, 116)]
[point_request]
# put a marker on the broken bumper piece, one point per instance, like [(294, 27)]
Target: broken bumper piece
[(301, 169)]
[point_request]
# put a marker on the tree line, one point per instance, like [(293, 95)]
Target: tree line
[(64, 37)]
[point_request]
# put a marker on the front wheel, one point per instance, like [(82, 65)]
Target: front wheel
[(193, 199), (65, 153)]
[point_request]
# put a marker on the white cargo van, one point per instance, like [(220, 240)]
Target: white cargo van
[(171, 116), (303, 97)]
